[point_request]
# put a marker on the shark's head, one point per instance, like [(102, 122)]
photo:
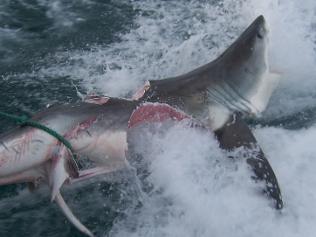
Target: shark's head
[(237, 81), (244, 83), (247, 56), (254, 39)]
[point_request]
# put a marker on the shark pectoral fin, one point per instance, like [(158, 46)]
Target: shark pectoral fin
[(236, 134), (58, 176), (70, 216), (62, 168), (263, 171), (93, 172)]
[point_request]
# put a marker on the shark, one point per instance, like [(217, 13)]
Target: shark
[(239, 83)]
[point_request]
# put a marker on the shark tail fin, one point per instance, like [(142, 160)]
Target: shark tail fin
[(70, 216)]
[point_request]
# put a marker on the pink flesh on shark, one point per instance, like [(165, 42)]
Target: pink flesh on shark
[(94, 99), (141, 91), (155, 112), (146, 113), (59, 167)]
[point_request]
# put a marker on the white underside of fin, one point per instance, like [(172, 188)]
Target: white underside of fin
[(106, 150), (58, 173)]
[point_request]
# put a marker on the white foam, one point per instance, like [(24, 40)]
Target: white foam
[(61, 12), (198, 191)]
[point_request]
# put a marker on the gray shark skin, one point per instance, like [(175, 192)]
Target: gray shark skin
[(235, 134), (238, 81)]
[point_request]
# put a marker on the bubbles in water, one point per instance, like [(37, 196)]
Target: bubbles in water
[(196, 189)]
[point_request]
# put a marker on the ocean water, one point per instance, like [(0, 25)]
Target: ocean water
[(51, 50)]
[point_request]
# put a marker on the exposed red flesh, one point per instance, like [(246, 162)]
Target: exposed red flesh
[(155, 112)]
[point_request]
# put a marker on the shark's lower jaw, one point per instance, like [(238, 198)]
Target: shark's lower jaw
[(224, 99)]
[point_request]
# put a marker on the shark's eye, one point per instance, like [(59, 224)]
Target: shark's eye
[(259, 35)]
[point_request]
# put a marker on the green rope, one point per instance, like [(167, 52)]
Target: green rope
[(25, 121)]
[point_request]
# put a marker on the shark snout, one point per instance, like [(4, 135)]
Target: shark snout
[(258, 30)]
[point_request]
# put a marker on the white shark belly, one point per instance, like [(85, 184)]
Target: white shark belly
[(22, 153), (105, 149)]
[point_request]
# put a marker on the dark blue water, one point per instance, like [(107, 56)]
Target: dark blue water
[(51, 49)]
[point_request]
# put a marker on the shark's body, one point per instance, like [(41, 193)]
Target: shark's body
[(237, 82)]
